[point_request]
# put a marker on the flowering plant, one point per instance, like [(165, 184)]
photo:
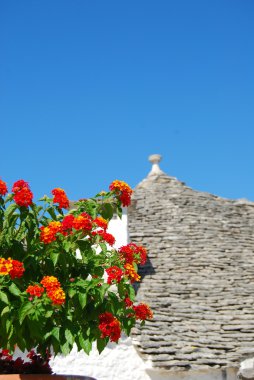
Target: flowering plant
[(61, 280)]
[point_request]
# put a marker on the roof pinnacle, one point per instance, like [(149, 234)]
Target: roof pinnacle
[(155, 159)]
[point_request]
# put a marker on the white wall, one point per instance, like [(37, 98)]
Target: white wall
[(116, 362)]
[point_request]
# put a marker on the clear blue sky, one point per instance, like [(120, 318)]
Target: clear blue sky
[(88, 89)]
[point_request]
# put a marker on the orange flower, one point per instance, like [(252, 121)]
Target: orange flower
[(131, 273), (48, 233), (3, 188), (50, 283), (12, 267), (123, 190), (101, 222), (54, 290), (5, 266), (57, 296), (82, 222), (60, 197)]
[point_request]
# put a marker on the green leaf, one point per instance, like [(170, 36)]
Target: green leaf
[(69, 337), (5, 311), (119, 212), (25, 310), (4, 298), (83, 245), (101, 344), (56, 333), (54, 257), (49, 313), (10, 210), (14, 289), (131, 293), (67, 245), (102, 290), (121, 290), (107, 211), (82, 299), (85, 344), (72, 292), (65, 348), (52, 213), (8, 325), (103, 247)]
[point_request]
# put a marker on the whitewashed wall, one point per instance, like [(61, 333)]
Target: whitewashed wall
[(116, 362)]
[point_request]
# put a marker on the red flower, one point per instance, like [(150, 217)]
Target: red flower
[(5, 353), (125, 199), (3, 188), (106, 317), (133, 253), (108, 238), (23, 197), (18, 185), (142, 312), (67, 222), (123, 190), (60, 198), (109, 326), (35, 290), (114, 273), (128, 302), (17, 269)]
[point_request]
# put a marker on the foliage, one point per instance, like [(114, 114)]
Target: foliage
[(61, 280)]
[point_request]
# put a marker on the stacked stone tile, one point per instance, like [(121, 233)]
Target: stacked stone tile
[(199, 279)]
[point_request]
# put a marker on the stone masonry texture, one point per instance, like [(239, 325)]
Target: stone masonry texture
[(199, 278)]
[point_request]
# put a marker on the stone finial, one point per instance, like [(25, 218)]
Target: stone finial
[(155, 159)]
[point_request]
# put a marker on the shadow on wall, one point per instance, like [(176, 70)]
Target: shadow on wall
[(143, 271)]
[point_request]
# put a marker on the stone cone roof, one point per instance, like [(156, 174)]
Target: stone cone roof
[(199, 279)]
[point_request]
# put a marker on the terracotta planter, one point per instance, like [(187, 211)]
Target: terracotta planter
[(44, 377)]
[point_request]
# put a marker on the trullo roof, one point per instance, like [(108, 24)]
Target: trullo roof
[(199, 279)]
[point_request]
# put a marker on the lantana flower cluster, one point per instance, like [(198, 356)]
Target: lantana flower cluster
[(53, 289), (123, 190), (109, 326), (62, 281), (11, 267)]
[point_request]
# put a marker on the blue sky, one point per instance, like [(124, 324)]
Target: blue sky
[(88, 89)]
